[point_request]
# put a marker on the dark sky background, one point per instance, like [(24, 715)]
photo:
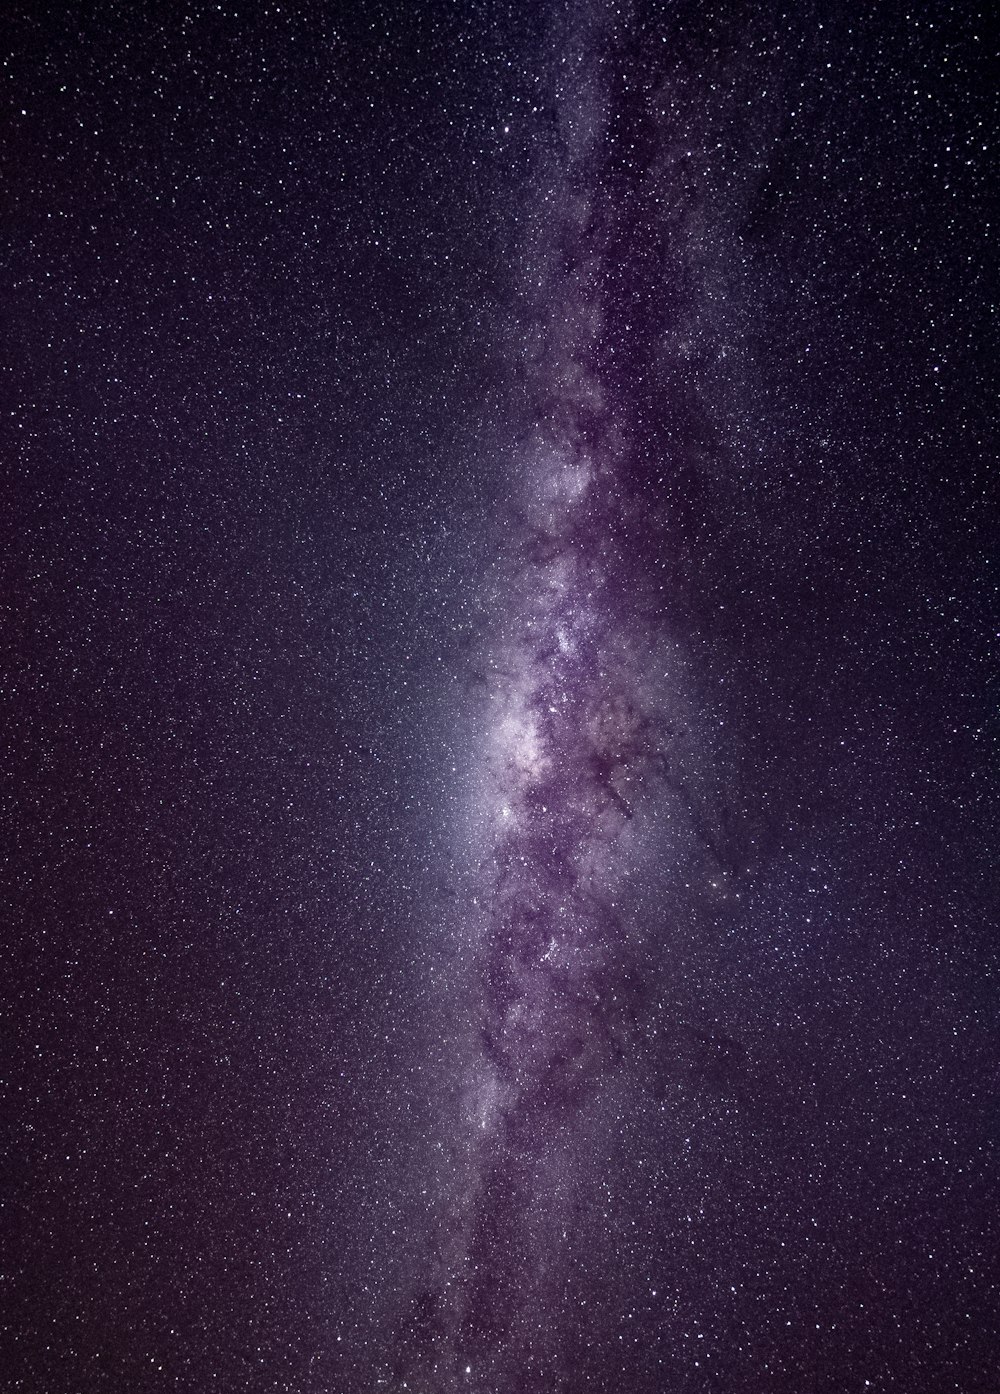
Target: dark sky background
[(300, 304)]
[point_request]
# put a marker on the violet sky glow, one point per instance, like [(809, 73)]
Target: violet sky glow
[(497, 813)]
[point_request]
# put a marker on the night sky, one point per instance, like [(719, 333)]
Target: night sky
[(497, 821)]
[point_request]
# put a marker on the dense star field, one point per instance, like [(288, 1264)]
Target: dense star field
[(499, 806)]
